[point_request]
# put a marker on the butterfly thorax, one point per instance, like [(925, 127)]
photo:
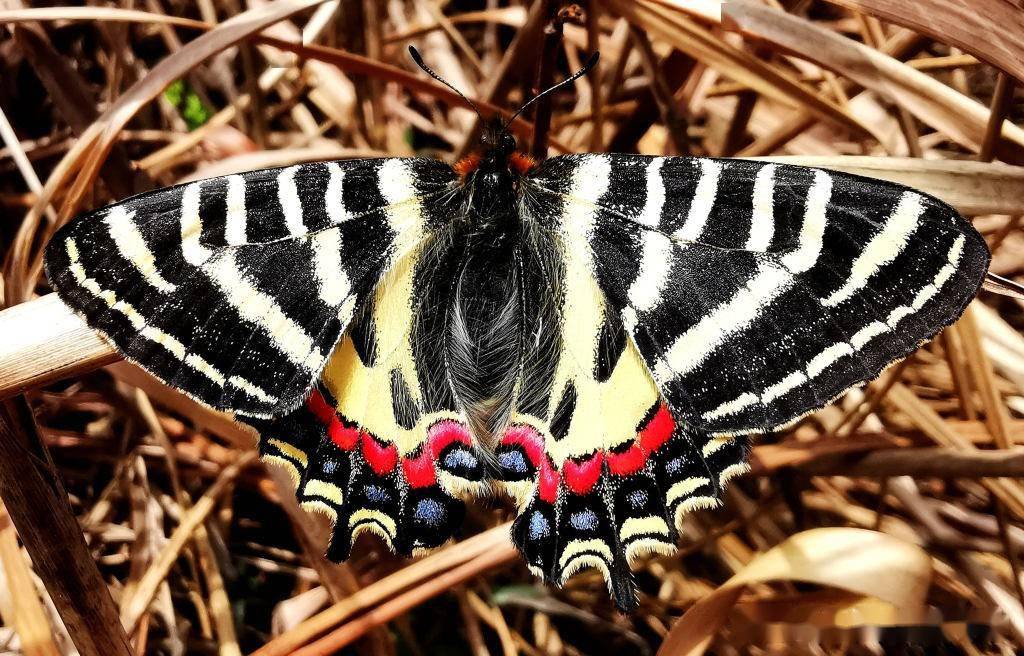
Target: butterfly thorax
[(491, 179), (485, 334)]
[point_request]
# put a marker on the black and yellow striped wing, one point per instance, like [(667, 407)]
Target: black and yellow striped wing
[(759, 292), (380, 446), (704, 300), (237, 289), (597, 338)]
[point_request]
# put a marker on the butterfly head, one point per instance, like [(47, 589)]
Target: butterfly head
[(498, 155), (497, 144)]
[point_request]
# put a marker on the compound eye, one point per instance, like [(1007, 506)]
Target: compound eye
[(508, 142)]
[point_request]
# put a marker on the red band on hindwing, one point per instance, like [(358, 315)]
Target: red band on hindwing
[(580, 477), (547, 481), (346, 437), (627, 462), (652, 436), (528, 438), (657, 431), (317, 404), (382, 459), (419, 471), (444, 433)]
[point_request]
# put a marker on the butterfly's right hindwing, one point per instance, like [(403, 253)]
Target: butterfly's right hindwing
[(749, 294), (235, 290)]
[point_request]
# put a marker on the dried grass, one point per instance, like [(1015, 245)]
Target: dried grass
[(900, 504)]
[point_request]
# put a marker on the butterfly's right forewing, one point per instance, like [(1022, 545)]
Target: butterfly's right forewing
[(759, 292)]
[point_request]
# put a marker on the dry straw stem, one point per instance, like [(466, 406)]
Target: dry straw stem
[(25, 610), (699, 43), (28, 483), (468, 558), (960, 118), (92, 148)]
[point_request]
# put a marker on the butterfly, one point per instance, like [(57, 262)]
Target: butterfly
[(596, 335)]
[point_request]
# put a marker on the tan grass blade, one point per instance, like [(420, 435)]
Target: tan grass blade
[(510, 16), (493, 542), (43, 342), (973, 188), (695, 40), (1003, 286), (139, 601), (960, 118), (26, 614), (92, 148), (989, 29), (109, 14)]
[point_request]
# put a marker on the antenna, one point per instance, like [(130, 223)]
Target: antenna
[(569, 80), (415, 54)]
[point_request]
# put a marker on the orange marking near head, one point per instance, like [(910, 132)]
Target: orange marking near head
[(521, 163), (467, 164)]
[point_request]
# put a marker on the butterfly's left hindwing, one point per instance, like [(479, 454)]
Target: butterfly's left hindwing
[(376, 448), (235, 290)]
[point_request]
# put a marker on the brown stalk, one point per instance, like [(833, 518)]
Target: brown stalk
[(29, 481), (401, 603), (674, 120), (191, 520), (556, 17), (596, 88), (696, 41), (493, 541), (986, 28), (501, 80), (25, 614), (995, 410)]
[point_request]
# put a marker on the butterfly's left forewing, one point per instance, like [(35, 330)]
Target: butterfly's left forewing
[(235, 290)]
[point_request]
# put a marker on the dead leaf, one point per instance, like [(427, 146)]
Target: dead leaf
[(868, 563)]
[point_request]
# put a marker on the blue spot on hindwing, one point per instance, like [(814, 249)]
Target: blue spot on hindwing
[(377, 494), (584, 520), (539, 526), (460, 459), (637, 499), (513, 461), (429, 511)]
